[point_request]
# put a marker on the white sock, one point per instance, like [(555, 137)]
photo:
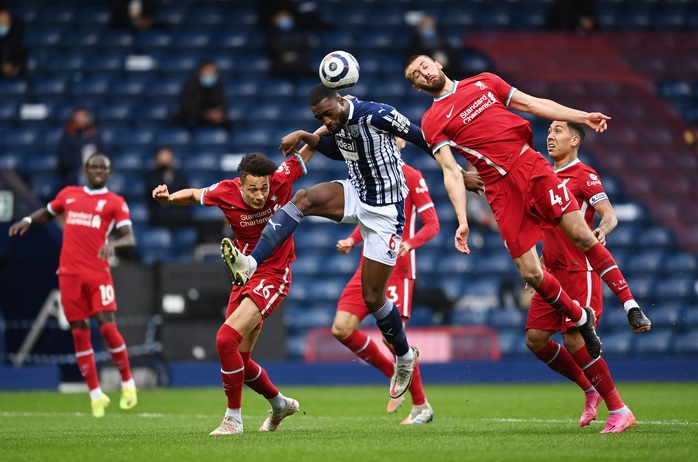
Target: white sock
[(406, 358), (623, 411), (582, 320), (96, 393), (234, 413), (130, 383), (278, 402), (627, 306), (253, 264)]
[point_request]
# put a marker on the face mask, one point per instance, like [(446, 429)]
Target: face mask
[(285, 24), (208, 80), (4, 30), (428, 33)]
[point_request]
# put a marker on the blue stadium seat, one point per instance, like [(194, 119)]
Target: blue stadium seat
[(457, 264), (12, 87), (93, 86), (75, 40), (116, 39), (40, 163), (181, 63), (10, 160), (120, 112), (21, 137), (128, 88), (153, 239), (654, 344), (421, 316), (171, 86), (174, 137), (513, 344), (191, 39), (470, 317), (206, 136), (623, 237), (680, 263), (617, 344), (205, 17), (644, 262), (657, 237), (92, 15), (140, 215), (45, 185), (42, 37), (202, 162), (666, 317), (686, 345), (128, 161), (185, 239), (676, 289), (49, 86), (153, 39), (507, 320), (303, 318), (155, 111), (8, 111)]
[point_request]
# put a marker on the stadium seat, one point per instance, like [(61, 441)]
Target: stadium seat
[(302, 318), (470, 317), (654, 344), (657, 237), (666, 317), (11, 87), (185, 239), (676, 288), (686, 345), (507, 320), (115, 112), (680, 263), (205, 136), (174, 137), (45, 185), (617, 344), (644, 262), (202, 162), (140, 216), (513, 344)]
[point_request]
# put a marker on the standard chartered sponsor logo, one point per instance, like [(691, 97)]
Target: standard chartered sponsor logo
[(477, 107), (252, 219), (81, 219)]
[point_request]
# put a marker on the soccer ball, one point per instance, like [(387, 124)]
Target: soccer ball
[(339, 70)]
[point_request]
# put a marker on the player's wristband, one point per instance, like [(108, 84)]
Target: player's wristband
[(28, 220)]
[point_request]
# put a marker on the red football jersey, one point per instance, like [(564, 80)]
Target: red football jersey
[(585, 185), (475, 121), (417, 202), (247, 223), (90, 216)]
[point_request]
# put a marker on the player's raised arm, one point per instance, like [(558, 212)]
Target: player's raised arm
[(184, 197), (552, 110)]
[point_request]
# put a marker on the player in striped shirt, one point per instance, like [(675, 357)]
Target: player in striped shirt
[(362, 134)]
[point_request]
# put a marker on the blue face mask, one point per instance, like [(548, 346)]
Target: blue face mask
[(208, 80), (428, 33), (4, 30), (285, 24)]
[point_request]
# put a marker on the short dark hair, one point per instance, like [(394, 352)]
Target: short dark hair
[(256, 164), (320, 92), (577, 128)]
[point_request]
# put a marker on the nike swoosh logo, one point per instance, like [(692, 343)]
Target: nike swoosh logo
[(69, 201), (565, 207), (448, 116)]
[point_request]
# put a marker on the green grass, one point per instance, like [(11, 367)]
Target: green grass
[(473, 422)]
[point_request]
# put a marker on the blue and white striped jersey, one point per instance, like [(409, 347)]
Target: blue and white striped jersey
[(367, 145)]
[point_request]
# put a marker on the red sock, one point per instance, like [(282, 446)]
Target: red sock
[(257, 379), (551, 291), (365, 348), (117, 348), (228, 341), (85, 356), (605, 266), (599, 375), (416, 389), (561, 361)]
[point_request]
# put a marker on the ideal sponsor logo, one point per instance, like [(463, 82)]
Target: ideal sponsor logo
[(347, 147)]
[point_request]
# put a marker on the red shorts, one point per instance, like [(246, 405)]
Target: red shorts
[(84, 295), (399, 291), (267, 288), (528, 196), (585, 287)]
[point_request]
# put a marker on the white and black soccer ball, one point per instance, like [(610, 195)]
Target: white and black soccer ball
[(339, 70)]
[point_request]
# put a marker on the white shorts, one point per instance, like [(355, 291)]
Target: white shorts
[(381, 226)]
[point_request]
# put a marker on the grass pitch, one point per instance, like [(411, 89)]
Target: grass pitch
[(472, 422)]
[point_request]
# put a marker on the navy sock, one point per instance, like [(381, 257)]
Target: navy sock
[(280, 226), (389, 321)]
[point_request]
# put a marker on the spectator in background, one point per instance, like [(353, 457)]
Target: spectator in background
[(13, 55), (165, 171), (427, 39), (202, 99), (308, 14), (80, 140), (136, 14), (573, 15), (288, 48)]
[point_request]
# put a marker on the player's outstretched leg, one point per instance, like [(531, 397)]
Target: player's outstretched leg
[(237, 263), (394, 404), (638, 321), (277, 415)]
